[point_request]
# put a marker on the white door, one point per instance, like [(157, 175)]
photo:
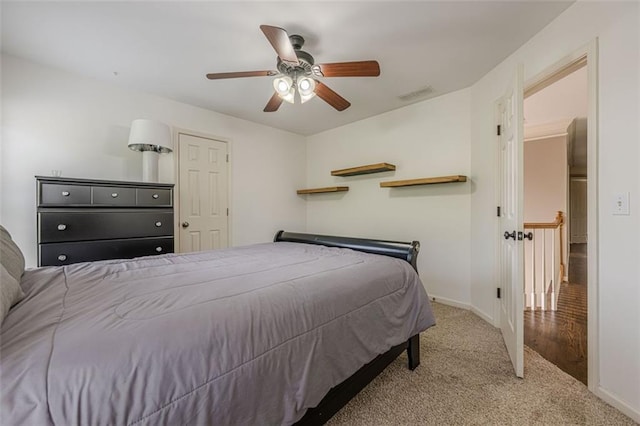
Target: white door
[(510, 107), (203, 193), (578, 210)]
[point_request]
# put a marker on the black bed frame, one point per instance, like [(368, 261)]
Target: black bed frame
[(342, 393)]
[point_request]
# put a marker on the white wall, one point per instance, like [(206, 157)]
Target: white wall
[(545, 179), (55, 120), (426, 139), (617, 27)]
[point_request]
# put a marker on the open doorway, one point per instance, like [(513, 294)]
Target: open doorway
[(555, 215)]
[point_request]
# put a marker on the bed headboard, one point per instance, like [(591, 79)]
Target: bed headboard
[(401, 250)]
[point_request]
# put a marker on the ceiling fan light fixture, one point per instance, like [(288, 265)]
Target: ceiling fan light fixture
[(306, 88), (306, 85), (305, 98), (284, 88)]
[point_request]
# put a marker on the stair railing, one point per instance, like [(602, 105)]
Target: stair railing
[(544, 263)]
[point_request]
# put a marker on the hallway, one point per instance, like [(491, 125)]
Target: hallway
[(561, 336)]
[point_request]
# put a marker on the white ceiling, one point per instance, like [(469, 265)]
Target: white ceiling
[(166, 48)]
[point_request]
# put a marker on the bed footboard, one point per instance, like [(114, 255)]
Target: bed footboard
[(401, 250)]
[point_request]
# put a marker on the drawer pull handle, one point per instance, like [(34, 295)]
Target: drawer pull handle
[(65, 193), (62, 227), (158, 224), (62, 257), (114, 195), (159, 249), (155, 196)]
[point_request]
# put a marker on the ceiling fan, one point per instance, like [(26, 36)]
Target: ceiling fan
[(296, 69)]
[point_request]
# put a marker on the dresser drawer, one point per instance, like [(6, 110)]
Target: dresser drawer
[(57, 254), (113, 196), (64, 194), (82, 225), (153, 197)]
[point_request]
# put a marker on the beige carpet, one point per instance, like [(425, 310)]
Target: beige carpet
[(466, 378)]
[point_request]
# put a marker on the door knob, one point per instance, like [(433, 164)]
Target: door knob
[(185, 224), (508, 235)]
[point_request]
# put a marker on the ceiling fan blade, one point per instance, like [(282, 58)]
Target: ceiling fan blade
[(350, 69), (331, 97), (220, 75), (279, 39), (273, 104)]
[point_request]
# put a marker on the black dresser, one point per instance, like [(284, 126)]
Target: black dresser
[(82, 220)]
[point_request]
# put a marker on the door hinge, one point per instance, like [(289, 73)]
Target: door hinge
[(227, 158), (499, 130), (498, 292), (227, 211), (498, 211)]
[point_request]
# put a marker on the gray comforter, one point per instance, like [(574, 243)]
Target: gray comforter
[(249, 335)]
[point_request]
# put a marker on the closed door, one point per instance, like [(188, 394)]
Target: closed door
[(203, 193), (510, 108)]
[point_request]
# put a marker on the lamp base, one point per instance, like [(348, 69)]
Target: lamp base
[(150, 166)]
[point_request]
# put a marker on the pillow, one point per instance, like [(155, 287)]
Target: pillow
[(10, 255), (10, 292)]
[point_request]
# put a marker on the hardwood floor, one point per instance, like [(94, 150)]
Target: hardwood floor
[(561, 336)]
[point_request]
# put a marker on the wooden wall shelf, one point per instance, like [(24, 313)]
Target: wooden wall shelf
[(323, 190), (364, 170), (423, 181)]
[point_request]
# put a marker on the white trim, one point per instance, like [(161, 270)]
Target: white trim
[(614, 401), (482, 315), (546, 130), (570, 64), (449, 302), (176, 191), (593, 285), (539, 138), (465, 306)]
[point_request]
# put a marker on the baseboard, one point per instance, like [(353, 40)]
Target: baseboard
[(461, 305), (623, 407), (449, 302), (482, 315)]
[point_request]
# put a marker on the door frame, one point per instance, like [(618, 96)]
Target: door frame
[(176, 191), (549, 75)]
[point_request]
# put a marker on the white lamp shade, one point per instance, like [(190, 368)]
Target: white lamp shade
[(284, 88), (306, 88), (149, 135)]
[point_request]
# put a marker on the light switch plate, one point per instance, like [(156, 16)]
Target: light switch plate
[(621, 203)]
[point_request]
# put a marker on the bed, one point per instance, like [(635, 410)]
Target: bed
[(274, 333)]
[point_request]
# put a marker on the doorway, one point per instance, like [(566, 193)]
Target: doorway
[(555, 169)]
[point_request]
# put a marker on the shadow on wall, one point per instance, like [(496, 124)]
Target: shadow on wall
[(437, 190), (115, 145)]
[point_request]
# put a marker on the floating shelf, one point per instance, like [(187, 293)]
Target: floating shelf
[(322, 190), (364, 170), (423, 181)]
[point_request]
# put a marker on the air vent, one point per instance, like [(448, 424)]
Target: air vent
[(416, 94)]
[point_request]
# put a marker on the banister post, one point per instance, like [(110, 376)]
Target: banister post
[(560, 220)]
